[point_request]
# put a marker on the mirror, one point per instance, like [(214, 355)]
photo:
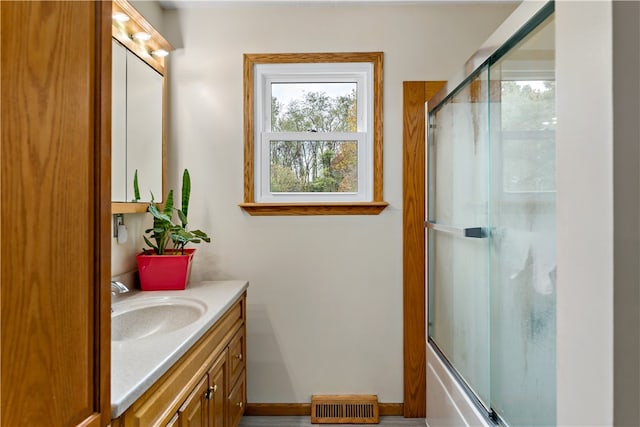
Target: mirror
[(136, 127), (137, 110), (118, 122)]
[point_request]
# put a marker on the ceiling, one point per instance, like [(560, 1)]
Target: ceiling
[(185, 4)]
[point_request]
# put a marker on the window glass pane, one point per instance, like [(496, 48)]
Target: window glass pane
[(528, 134), (529, 162), (313, 166), (313, 107)]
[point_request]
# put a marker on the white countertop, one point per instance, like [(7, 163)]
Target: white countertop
[(137, 364)]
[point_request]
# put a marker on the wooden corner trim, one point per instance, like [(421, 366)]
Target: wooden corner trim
[(415, 94), (248, 64)]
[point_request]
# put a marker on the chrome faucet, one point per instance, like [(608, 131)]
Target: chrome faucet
[(118, 288)]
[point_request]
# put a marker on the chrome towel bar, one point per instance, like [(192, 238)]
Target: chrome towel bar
[(471, 232)]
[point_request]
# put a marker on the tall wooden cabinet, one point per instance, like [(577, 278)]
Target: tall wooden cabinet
[(55, 82)]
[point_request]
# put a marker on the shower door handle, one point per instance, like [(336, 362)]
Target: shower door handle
[(472, 232)]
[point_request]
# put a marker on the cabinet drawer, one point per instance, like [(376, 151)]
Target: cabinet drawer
[(236, 355), (236, 401)]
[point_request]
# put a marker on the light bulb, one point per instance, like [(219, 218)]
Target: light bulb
[(120, 17), (142, 36), (159, 53)]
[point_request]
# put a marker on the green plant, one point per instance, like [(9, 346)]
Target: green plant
[(136, 188), (165, 230)]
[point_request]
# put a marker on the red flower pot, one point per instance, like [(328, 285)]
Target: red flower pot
[(164, 272)]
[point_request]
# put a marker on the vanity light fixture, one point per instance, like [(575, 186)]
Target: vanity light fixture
[(141, 36), (160, 53), (120, 17), (137, 35)]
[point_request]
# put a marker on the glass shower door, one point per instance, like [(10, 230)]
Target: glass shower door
[(458, 247), (492, 230), (523, 232)]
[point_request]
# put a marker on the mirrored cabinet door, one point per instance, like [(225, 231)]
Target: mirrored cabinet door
[(137, 99), (118, 123), (144, 129)]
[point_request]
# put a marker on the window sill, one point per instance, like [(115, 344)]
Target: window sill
[(343, 208)]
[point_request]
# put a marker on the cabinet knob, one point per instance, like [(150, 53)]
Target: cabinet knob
[(209, 393), (239, 404), (239, 356)]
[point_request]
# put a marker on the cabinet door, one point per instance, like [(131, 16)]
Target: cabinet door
[(118, 122), (218, 387), (54, 171), (173, 422), (193, 412)]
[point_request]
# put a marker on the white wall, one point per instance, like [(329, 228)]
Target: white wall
[(584, 213), (325, 302)]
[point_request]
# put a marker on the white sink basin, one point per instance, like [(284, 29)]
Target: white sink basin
[(145, 317)]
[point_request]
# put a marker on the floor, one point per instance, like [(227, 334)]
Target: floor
[(304, 422)]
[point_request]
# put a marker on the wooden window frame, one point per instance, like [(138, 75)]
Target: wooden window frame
[(372, 207)]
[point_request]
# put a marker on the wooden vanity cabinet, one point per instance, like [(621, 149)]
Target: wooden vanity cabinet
[(206, 387)]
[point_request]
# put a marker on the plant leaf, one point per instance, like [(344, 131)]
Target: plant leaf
[(153, 210), (186, 194), (183, 218), (136, 188), (168, 204), (151, 245), (202, 235)]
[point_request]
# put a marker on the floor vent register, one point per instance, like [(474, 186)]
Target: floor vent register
[(344, 409)]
